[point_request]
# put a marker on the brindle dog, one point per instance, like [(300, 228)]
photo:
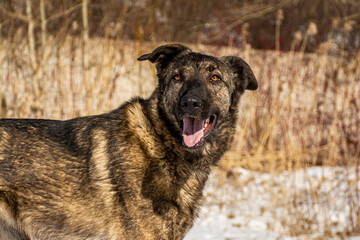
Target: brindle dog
[(135, 173)]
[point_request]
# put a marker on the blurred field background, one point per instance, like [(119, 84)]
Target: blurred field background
[(63, 59)]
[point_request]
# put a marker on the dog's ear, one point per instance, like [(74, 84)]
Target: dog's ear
[(164, 54), (245, 76)]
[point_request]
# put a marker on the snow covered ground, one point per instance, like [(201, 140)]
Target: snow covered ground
[(313, 203)]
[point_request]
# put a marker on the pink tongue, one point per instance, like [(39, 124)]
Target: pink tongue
[(192, 131)]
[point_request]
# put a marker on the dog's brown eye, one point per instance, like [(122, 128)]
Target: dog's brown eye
[(215, 78), (177, 77)]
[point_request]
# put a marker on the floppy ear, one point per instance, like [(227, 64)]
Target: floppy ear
[(164, 54), (245, 76)]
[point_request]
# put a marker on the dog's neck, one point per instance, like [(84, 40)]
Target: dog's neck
[(174, 178)]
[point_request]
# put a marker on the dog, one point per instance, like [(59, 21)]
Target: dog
[(136, 172)]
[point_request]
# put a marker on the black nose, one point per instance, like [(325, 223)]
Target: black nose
[(190, 104)]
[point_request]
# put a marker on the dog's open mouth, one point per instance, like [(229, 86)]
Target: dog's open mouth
[(194, 130)]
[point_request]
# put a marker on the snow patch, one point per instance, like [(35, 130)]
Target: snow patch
[(305, 204)]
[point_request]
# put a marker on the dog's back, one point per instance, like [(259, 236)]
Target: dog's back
[(48, 179), (36, 151)]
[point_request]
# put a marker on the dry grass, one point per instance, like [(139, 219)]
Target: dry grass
[(305, 113)]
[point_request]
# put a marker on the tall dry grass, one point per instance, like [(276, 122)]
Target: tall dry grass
[(305, 113)]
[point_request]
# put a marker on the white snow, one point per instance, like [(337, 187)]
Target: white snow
[(312, 203)]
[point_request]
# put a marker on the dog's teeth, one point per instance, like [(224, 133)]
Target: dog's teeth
[(207, 122)]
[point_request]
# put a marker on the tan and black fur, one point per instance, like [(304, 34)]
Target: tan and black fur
[(128, 174)]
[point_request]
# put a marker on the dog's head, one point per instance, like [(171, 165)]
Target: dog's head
[(199, 93)]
